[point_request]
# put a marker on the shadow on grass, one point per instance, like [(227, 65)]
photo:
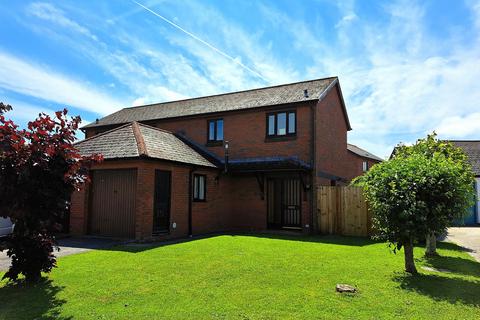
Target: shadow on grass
[(39, 301), (455, 264), (451, 289), (452, 246), (327, 239), (290, 236)]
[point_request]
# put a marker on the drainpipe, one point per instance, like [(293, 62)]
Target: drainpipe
[(313, 183)]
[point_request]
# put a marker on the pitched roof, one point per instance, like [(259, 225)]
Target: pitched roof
[(361, 152), (255, 98), (135, 140), (472, 150)]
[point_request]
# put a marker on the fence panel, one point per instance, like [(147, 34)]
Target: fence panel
[(343, 211)]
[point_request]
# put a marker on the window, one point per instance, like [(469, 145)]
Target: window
[(365, 166), (281, 124), (199, 187), (215, 130)]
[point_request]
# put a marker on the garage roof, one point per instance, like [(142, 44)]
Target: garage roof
[(135, 140)]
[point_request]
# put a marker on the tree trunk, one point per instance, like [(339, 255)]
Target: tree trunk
[(33, 277), (431, 247), (409, 262)]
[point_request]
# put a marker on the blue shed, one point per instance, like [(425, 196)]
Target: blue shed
[(472, 150)]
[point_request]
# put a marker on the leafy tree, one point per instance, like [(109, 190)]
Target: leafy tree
[(4, 107), (459, 198), (414, 195), (39, 169)]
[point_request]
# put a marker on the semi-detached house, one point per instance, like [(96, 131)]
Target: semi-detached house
[(248, 160)]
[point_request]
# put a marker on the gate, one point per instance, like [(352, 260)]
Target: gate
[(343, 211), (284, 203)]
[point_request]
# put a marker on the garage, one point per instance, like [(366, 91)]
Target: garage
[(112, 206)]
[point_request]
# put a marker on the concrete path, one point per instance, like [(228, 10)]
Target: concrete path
[(69, 246), (467, 237)]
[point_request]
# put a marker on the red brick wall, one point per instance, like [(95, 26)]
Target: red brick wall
[(355, 168), (213, 215), (247, 209), (207, 217), (235, 202), (78, 209), (245, 131), (331, 137)]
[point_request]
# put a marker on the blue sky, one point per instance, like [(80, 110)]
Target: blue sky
[(405, 67)]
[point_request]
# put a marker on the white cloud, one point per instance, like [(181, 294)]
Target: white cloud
[(346, 20), (23, 112), (460, 127), (399, 83), (155, 92), (30, 79), (47, 11), (186, 68)]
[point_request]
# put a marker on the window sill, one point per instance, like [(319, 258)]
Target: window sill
[(280, 138), (198, 200), (214, 143)]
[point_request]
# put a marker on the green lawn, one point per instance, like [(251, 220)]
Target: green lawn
[(251, 277)]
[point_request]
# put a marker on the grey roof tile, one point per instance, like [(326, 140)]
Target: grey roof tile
[(282, 94), (165, 145), (113, 144), (472, 150), (361, 152), (134, 140)]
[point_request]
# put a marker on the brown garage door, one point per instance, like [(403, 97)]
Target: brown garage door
[(112, 206)]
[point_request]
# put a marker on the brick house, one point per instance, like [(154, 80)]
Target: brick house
[(360, 161), (248, 160)]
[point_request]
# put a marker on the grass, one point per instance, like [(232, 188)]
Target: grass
[(250, 277)]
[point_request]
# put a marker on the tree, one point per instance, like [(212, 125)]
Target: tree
[(459, 199), (4, 108), (39, 169), (412, 196)]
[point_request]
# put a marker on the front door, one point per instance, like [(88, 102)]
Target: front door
[(284, 203), (161, 214)]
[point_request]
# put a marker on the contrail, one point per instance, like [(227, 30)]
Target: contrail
[(204, 42)]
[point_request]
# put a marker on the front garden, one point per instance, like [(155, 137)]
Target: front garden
[(251, 277)]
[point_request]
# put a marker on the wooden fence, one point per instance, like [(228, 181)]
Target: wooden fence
[(343, 211)]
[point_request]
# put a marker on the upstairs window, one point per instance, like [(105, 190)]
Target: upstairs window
[(199, 187), (215, 130), (365, 166), (281, 124)]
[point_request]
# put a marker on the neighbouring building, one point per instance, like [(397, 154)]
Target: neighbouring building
[(360, 160), (248, 160), (472, 150)]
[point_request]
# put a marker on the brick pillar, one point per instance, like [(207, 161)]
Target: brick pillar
[(79, 211)]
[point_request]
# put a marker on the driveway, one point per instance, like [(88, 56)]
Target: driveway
[(69, 246), (467, 237)]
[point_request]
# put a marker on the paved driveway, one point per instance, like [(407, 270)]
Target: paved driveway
[(69, 246), (468, 237)]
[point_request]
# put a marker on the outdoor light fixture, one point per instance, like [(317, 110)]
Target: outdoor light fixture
[(226, 146)]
